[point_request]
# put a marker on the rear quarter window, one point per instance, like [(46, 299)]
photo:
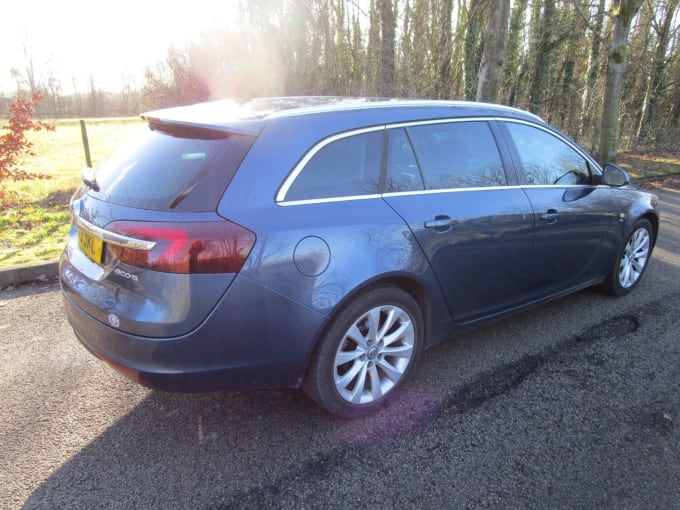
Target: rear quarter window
[(349, 166), (168, 169)]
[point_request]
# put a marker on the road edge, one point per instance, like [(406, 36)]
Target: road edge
[(25, 273)]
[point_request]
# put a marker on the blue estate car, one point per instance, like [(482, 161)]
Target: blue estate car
[(325, 242)]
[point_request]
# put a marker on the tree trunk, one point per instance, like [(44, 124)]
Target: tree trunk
[(420, 56), (472, 57), (622, 13), (443, 86), (674, 94), (567, 80), (514, 63), (387, 26), (675, 109), (542, 50), (591, 74), (651, 101), (457, 53), (491, 70), (373, 52)]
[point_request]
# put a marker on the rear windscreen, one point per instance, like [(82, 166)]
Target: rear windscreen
[(172, 169)]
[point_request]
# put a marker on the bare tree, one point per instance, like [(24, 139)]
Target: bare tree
[(593, 71), (473, 46), (514, 67), (387, 62), (542, 24), (491, 70), (622, 12), (660, 61)]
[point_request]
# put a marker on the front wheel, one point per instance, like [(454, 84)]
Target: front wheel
[(632, 260), (369, 350)]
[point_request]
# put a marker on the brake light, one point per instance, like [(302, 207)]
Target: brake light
[(196, 247)]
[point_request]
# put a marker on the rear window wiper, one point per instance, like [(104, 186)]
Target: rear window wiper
[(89, 179)]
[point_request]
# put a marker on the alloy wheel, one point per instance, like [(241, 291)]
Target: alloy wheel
[(634, 258), (374, 354)]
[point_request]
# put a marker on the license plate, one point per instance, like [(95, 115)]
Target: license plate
[(92, 246)]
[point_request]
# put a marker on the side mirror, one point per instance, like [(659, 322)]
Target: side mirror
[(616, 176)]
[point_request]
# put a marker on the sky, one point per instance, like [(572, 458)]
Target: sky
[(109, 41)]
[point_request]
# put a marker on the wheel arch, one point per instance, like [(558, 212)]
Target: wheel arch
[(351, 398), (611, 284), (416, 289), (408, 284), (654, 220)]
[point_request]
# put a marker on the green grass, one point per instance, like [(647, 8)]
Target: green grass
[(34, 220), (650, 164)]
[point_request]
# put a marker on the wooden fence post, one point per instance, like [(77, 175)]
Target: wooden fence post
[(86, 143)]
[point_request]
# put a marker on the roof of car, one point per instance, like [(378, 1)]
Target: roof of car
[(249, 116)]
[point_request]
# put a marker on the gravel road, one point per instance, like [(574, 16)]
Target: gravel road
[(573, 405)]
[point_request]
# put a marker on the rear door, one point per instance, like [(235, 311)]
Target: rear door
[(447, 180), (572, 213)]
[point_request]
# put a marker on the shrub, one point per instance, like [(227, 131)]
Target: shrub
[(13, 142)]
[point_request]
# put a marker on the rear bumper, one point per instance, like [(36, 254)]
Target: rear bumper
[(253, 338)]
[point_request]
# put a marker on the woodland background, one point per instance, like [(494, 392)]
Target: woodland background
[(606, 72)]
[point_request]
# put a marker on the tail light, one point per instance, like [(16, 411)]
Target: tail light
[(196, 247)]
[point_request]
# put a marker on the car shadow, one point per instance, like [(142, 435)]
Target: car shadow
[(190, 450)]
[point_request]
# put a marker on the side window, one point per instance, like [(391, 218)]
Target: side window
[(458, 155), (346, 167), (546, 159), (403, 173)]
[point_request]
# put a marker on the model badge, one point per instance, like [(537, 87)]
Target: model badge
[(127, 275)]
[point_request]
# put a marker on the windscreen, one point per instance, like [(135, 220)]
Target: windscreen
[(171, 169)]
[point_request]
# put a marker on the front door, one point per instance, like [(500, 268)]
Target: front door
[(572, 214)]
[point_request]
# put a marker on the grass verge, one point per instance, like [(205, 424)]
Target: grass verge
[(34, 219), (650, 164)]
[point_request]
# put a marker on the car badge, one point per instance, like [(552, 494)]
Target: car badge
[(114, 320)]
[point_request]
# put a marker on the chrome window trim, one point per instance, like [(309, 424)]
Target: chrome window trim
[(432, 192), (349, 198), (446, 190), (484, 188), (596, 167), (112, 237), (285, 187), (288, 182), (560, 186)]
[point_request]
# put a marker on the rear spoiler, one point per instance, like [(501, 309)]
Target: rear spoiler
[(217, 117)]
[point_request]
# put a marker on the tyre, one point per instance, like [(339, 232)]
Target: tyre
[(632, 260), (369, 350)]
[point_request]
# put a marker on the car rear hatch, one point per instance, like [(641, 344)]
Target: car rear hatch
[(147, 252)]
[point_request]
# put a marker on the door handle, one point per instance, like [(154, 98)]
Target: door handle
[(440, 223), (551, 216)]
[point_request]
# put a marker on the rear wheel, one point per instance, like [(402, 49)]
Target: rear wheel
[(632, 260), (369, 350)]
